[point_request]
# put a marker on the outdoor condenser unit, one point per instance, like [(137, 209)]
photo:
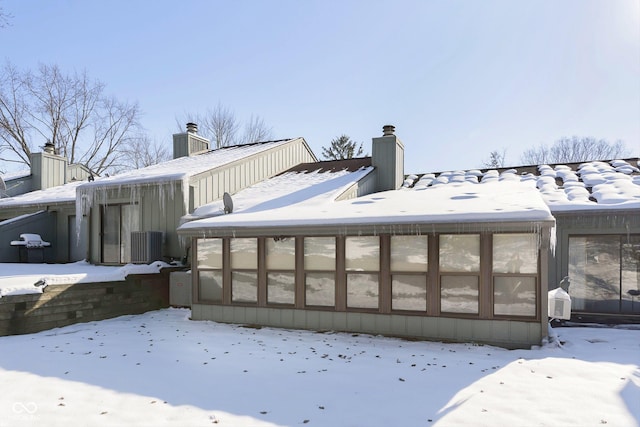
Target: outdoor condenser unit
[(146, 246)]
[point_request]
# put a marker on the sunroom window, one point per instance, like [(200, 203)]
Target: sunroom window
[(459, 273), (210, 270), (409, 266), (515, 274), (281, 265), (362, 263), (320, 271), (244, 270)]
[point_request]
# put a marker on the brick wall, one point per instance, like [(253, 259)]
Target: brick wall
[(61, 305)]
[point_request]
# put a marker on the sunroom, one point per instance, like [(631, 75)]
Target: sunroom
[(464, 262)]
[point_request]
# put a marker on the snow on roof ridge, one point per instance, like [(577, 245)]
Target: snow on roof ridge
[(188, 166)]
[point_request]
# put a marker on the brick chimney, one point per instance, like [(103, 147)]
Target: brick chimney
[(388, 159)]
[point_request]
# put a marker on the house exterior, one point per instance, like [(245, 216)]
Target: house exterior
[(42, 200), (133, 216), (466, 262)]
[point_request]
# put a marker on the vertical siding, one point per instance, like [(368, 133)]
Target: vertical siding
[(244, 173)]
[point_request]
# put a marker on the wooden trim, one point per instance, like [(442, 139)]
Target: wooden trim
[(485, 285), (341, 276), (262, 271), (384, 277), (433, 276), (299, 287), (226, 271)]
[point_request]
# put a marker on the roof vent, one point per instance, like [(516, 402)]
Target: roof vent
[(388, 130), (192, 127)]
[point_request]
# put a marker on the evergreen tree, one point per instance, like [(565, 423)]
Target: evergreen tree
[(341, 148)]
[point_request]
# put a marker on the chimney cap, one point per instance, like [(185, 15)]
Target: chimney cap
[(49, 147), (192, 127), (388, 130)]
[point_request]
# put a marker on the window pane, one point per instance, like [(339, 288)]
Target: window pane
[(111, 234), (409, 292), (514, 296), (594, 273), (244, 253), (281, 254), (244, 286), (281, 288), (459, 252), (130, 222), (362, 253), (459, 294), (210, 286), (320, 289), (515, 253), (409, 253), (209, 253), (362, 290), (320, 253), (631, 274)]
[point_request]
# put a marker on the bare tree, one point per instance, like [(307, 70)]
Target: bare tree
[(496, 159), (4, 18), (69, 110), (221, 126), (574, 149), (141, 152), (341, 148), (256, 130)]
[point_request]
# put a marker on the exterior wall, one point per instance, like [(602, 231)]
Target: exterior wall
[(586, 224), (18, 186), (48, 170), (366, 185), (511, 315), (504, 333), (77, 172), (578, 224), (210, 186), (42, 223), (52, 225), (160, 208)]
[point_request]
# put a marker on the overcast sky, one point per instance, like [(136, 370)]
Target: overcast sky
[(458, 79)]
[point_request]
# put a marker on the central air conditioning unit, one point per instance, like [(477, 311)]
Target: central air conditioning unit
[(146, 246)]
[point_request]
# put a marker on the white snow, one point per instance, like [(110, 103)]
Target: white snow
[(61, 194), (285, 190), (184, 167), (161, 369), (18, 279), (505, 200)]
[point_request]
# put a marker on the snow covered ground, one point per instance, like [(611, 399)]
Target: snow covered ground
[(161, 369)]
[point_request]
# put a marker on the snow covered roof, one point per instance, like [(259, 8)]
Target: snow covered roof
[(9, 176), (306, 184), (186, 167), (281, 204), (565, 188), (61, 194)]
